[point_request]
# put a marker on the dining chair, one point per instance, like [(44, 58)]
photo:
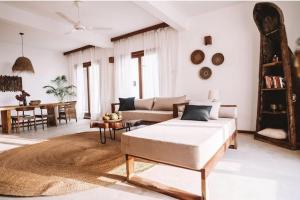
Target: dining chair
[(23, 117), (43, 116), (67, 111)]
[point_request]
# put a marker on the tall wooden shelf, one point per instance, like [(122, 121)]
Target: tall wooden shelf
[(269, 20)]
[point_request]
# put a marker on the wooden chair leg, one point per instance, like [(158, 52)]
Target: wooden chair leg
[(203, 184), (59, 118), (28, 125), (129, 166), (18, 126), (23, 125), (34, 123), (43, 125)]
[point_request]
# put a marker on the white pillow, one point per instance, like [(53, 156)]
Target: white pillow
[(273, 133), (214, 112)]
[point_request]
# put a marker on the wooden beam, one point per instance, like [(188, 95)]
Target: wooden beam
[(78, 49), (165, 12), (150, 28)]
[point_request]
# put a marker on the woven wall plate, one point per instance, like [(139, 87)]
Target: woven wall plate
[(217, 59), (197, 57), (205, 73)]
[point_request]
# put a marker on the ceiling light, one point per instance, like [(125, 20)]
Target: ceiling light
[(23, 64)]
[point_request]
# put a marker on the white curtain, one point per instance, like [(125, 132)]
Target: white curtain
[(123, 70), (101, 80), (80, 105), (106, 80), (150, 74), (167, 47), (159, 63), (95, 106)]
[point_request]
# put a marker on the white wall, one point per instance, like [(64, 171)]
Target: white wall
[(47, 65), (235, 35)]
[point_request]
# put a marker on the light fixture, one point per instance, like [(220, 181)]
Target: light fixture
[(213, 95), (22, 64)]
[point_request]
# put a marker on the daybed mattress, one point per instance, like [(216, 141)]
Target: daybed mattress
[(184, 143)]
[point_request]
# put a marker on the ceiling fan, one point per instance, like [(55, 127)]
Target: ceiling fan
[(77, 25)]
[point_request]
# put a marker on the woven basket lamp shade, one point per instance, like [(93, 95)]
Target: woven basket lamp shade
[(22, 64)]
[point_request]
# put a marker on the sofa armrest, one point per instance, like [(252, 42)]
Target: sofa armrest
[(113, 107), (176, 108), (228, 111)]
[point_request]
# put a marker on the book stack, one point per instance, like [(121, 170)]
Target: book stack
[(274, 82)]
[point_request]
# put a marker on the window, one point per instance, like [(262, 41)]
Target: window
[(144, 72), (86, 82)]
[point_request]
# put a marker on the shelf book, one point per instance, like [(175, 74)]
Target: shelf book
[(274, 82)]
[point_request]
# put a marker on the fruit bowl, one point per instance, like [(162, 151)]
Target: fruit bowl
[(112, 117)]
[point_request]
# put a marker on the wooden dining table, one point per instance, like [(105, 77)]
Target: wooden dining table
[(52, 110)]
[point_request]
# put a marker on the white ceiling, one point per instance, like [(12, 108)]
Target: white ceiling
[(193, 8), (44, 28), (121, 16), (35, 38)]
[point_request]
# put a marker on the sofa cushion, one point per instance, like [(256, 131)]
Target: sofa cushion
[(166, 103), (144, 104), (273, 133), (214, 112), (147, 115), (126, 104), (197, 113)]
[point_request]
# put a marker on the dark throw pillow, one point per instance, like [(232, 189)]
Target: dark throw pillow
[(197, 113), (126, 104)]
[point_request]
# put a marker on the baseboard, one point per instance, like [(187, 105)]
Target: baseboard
[(247, 131)]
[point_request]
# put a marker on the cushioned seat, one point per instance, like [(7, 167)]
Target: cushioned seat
[(189, 144), (147, 115)]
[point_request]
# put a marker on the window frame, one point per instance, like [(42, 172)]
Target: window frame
[(87, 65), (139, 55)]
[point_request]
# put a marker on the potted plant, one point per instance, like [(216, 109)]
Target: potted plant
[(61, 89)]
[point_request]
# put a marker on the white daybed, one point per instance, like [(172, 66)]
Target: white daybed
[(194, 145)]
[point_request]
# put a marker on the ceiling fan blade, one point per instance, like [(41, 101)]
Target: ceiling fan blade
[(66, 18), (99, 28)]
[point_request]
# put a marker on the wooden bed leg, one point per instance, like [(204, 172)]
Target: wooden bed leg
[(129, 166), (235, 145), (203, 184), (233, 142)]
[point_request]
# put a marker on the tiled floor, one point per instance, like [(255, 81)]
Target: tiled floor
[(256, 171)]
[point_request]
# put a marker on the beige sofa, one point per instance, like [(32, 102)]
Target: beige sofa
[(156, 109)]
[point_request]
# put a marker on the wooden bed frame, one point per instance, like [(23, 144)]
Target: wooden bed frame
[(231, 142)]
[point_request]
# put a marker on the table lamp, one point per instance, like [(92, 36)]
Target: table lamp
[(213, 95)]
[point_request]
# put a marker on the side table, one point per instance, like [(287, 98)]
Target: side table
[(114, 125)]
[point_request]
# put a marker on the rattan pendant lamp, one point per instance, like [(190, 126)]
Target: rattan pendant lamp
[(22, 64)]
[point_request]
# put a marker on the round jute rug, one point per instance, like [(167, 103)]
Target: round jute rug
[(62, 165)]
